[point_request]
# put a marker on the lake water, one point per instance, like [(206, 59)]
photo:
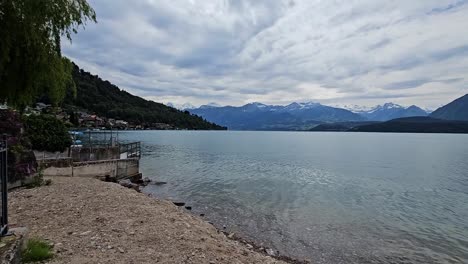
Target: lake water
[(326, 197)]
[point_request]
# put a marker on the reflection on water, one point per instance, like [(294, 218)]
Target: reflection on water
[(328, 197)]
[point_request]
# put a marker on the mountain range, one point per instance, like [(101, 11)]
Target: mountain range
[(258, 116), (389, 111), (298, 116)]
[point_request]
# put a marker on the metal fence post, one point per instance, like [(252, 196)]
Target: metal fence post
[(4, 187)]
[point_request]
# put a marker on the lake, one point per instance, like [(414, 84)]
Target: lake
[(327, 197)]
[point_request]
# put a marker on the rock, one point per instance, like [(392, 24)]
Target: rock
[(108, 178), (179, 203), (85, 233), (120, 250), (110, 247), (270, 252), (202, 215), (139, 181), (159, 183), (147, 180), (127, 183), (188, 207), (231, 235), (249, 246)]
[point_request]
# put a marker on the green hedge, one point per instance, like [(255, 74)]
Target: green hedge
[(47, 133)]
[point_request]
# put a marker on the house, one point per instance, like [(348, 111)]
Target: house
[(121, 124)]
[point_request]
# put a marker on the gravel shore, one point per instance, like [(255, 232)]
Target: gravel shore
[(90, 221)]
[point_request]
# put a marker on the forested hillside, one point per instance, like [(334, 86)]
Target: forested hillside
[(105, 99)]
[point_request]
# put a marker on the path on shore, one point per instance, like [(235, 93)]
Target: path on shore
[(90, 221)]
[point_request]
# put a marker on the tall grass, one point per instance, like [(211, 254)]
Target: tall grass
[(36, 250)]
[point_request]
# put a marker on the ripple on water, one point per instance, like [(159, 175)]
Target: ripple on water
[(330, 197)]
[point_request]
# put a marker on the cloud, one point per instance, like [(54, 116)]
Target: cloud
[(238, 51), (417, 83)]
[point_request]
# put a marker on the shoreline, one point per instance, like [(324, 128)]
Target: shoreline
[(88, 220), (249, 244)]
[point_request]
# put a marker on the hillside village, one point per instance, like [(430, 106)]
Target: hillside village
[(83, 119)]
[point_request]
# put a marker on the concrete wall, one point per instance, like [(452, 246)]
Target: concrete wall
[(54, 171), (118, 168), (96, 153), (45, 155), (56, 167)]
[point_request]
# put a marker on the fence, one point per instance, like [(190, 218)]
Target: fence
[(130, 150), (4, 187), (95, 138)]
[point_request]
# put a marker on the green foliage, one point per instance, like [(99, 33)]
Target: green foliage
[(36, 250), (31, 63), (73, 119), (107, 100), (47, 133), (38, 180)]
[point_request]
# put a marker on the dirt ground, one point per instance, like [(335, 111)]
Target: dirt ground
[(90, 221)]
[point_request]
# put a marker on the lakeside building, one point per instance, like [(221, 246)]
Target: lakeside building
[(94, 154)]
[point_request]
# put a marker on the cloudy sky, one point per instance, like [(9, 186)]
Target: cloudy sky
[(335, 52)]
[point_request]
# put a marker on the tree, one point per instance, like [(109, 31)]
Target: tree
[(47, 133), (31, 63), (74, 120)]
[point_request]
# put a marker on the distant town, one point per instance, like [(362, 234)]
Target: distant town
[(85, 120)]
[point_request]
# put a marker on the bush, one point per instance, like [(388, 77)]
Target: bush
[(38, 180), (21, 160), (47, 133), (36, 250)]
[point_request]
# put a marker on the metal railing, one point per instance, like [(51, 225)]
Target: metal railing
[(4, 186), (95, 138), (130, 150)]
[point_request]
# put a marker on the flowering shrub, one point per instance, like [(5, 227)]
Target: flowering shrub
[(21, 160)]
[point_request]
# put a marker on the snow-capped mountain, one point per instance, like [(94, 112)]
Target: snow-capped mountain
[(185, 106), (209, 105), (356, 108), (390, 111), (301, 106), (257, 115), (261, 116)]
